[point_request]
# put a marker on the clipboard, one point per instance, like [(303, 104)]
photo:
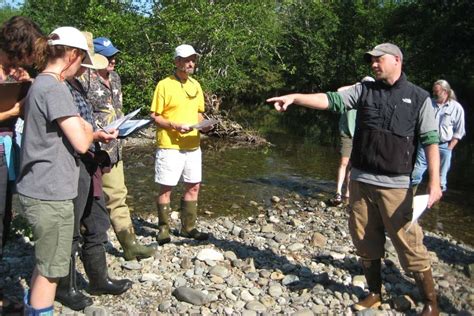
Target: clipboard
[(11, 93)]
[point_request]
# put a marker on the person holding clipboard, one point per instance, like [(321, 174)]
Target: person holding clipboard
[(17, 38)]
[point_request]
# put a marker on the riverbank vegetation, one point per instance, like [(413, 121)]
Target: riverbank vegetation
[(255, 49)]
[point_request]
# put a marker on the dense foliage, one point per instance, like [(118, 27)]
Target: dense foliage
[(255, 49)]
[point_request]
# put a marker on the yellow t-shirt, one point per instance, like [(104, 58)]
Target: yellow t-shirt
[(179, 103)]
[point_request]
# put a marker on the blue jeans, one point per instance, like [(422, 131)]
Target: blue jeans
[(421, 165)]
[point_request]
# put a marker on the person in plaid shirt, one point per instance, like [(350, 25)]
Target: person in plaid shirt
[(104, 91)]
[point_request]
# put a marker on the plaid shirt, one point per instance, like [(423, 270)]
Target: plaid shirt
[(106, 105), (85, 110)]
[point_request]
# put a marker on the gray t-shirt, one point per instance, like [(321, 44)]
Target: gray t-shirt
[(48, 167), (426, 123)]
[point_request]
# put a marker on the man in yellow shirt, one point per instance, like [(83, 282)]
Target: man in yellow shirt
[(178, 104)]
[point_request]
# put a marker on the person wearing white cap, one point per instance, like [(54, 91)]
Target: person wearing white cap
[(89, 207), (54, 134), (178, 103), (393, 116)]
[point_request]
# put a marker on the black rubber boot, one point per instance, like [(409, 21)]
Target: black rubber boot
[(67, 292), (95, 265)]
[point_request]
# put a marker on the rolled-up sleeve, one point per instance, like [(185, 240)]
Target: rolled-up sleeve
[(427, 124), (344, 100)]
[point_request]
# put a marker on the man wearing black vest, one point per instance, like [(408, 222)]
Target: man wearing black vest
[(392, 116)]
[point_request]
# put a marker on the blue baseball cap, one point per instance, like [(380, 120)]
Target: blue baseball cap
[(104, 46)]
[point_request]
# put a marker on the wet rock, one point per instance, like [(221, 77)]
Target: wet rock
[(275, 199)]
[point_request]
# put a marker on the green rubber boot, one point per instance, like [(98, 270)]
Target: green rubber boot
[(188, 221), (163, 223), (132, 249)]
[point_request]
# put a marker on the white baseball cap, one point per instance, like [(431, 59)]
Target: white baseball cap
[(72, 37), (184, 51)]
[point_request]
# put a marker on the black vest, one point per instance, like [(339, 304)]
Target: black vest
[(386, 127)]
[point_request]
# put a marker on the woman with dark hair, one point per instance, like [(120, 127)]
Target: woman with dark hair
[(17, 39), (54, 135)]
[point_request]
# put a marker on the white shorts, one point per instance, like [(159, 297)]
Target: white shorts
[(171, 164)]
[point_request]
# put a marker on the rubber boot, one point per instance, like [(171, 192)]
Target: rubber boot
[(372, 272), (95, 265), (67, 292), (188, 221), (163, 224), (132, 249), (30, 311), (425, 283)]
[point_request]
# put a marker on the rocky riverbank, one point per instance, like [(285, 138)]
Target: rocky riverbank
[(295, 257)]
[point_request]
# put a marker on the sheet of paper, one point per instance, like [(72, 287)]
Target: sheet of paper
[(131, 126), (204, 124), (117, 123), (420, 203)]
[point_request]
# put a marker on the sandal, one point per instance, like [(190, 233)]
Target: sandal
[(336, 199)]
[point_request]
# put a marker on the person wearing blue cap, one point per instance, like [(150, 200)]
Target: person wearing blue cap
[(104, 91)]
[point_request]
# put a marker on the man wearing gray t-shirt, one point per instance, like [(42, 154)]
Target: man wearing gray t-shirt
[(392, 116)]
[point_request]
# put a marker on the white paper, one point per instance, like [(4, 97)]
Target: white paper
[(131, 126), (420, 203), (204, 124), (117, 123)]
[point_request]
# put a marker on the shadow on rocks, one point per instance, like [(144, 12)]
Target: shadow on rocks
[(395, 282)]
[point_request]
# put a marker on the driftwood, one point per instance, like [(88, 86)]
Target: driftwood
[(226, 128)]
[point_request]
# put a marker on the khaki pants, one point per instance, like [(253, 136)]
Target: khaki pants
[(376, 210), (115, 193)]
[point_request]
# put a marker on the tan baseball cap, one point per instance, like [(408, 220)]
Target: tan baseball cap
[(383, 49)]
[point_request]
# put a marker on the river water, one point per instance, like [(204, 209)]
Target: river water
[(235, 176)]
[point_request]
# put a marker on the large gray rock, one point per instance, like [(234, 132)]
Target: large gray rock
[(189, 295)]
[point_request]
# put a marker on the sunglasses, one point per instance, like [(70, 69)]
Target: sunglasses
[(190, 90)]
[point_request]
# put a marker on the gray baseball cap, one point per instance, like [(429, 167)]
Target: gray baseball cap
[(383, 49)]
